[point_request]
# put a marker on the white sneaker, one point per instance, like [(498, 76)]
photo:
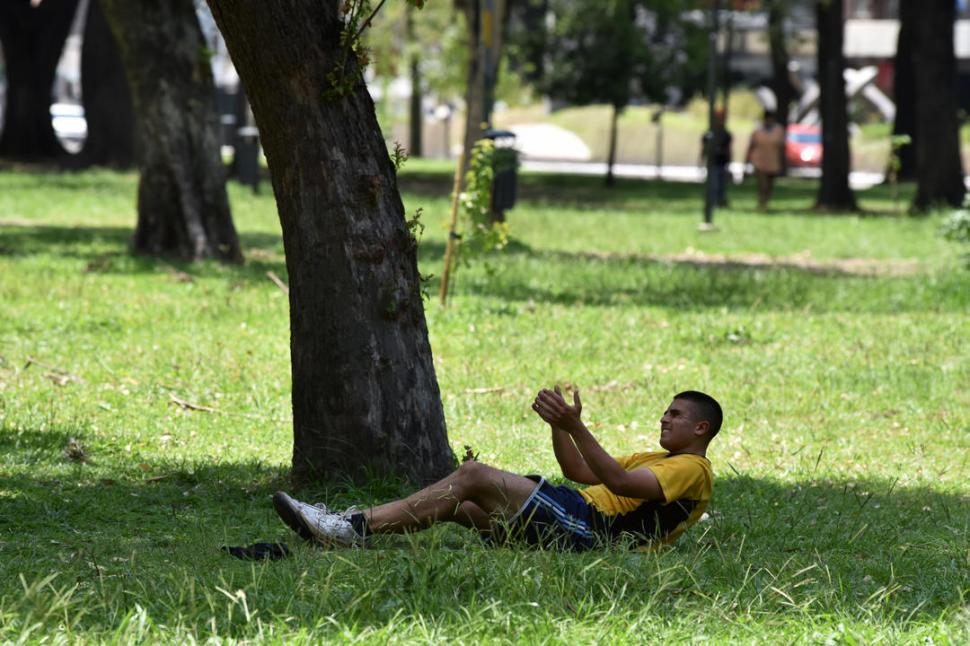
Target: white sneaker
[(334, 528), (291, 512), (346, 513), (314, 521)]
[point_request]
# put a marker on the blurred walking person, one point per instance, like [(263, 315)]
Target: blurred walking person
[(720, 154), (765, 153)]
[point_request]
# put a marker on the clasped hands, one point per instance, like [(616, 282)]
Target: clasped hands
[(553, 409)]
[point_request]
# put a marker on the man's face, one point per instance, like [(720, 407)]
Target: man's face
[(678, 426)]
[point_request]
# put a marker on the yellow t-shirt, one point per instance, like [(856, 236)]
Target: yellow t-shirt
[(687, 482)]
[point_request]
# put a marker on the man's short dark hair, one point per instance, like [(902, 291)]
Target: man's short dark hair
[(706, 407)]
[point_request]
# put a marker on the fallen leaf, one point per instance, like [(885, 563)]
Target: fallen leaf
[(75, 452)]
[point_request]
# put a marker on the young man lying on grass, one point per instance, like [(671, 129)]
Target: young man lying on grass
[(651, 497)]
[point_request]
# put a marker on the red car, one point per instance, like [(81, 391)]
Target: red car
[(803, 146)]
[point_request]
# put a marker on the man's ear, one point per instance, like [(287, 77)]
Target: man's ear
[(701, 428)]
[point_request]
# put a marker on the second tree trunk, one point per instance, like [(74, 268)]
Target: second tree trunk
[(183, 209)]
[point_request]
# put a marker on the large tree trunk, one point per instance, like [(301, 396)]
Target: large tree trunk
[(107, 100), (32, 39), (834, 192), (183, 209), (939, 168), (904, 90), (365, 397), (415, 113)]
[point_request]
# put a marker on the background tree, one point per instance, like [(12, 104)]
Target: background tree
[(611, 52), (834, 192), (527, 39), (939, 169), (107, 103), (415, 111), (904, 90), (431, 47), (32, 38), (364, 390), (780, 82), (475, 97), (183, 208)]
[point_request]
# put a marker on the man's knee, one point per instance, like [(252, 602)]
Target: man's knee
[(473, 474)]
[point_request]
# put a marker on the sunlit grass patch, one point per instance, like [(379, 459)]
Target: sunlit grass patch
[(144, 423)]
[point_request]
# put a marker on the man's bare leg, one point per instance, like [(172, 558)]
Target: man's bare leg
[(472, 516), (474, 495)]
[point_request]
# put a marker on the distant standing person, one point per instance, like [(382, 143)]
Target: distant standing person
[(765, 152), (721, 156)]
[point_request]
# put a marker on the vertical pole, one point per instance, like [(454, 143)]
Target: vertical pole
[(711, 98), (484, 13), (452, 235)]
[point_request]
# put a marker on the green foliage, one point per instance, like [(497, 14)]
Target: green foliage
[(205, 55), (609, 52), (956, 228), (435, 37), (840, 506), (481, 236), (415, 227), (399, 155), (896, 143), (358, 16)]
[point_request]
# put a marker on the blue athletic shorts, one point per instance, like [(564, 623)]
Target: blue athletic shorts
[(555, 517)]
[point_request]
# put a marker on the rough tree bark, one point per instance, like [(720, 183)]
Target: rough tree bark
[(32, 39), (939, 169), (365, 397), (834, 192), (107, 100), (904, 90), (183, 209)]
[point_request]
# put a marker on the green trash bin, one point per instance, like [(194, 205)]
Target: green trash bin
[(505, 168)]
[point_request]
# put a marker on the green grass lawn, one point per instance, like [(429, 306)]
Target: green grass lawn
[(837, 344)]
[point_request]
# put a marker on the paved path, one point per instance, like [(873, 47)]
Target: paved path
[(857, 180)]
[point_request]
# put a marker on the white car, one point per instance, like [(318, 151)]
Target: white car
[(69, 124)]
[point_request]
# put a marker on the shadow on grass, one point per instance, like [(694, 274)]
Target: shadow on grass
[(793, 196), (865, 548), (583, 279), (524, 274), (105, 250)]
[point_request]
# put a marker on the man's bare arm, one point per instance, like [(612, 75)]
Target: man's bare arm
[(570, 459), (639, 483), (568, 456)]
